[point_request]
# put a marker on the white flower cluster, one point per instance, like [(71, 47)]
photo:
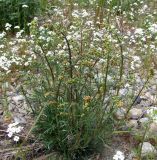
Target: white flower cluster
[(119, 156), (2, 35), (136, 62), (153, 28), (13, 129), (4, 63), (7, 26), (83, 13)]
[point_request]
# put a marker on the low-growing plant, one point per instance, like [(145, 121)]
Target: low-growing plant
[(76, 70), (19, 12), (70, 95)]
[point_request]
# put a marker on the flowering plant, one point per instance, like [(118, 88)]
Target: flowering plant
[(13, 130)]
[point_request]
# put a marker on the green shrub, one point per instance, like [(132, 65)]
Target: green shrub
[(65, 90), (123, 5), (18, 12)]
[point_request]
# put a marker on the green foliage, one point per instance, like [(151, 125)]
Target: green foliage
[(73, 73), (14, 13), (123, 5), (73, 129), (74, 120)]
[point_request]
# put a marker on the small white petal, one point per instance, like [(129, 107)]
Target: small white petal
[(16, 138)]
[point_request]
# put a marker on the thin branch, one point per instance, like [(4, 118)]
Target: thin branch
[(49, 65), (70, 55), (137, 97)]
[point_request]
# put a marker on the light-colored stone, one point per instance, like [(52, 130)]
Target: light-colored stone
[(120, 113), (19, 118), (135, 113), (144, 121), (144, 103), (18, 98), (11, 107), (22, 110), (132, 124), (147, 149), (153, 128)]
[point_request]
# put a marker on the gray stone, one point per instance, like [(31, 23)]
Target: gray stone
[(144, 103), (144, 120), (22, 110), (11, 107), (153, 128), (19, 118), (132, 124), (135, 113), (147, 149), (18, 98), (120, 113)]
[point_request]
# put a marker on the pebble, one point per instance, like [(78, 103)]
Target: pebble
[(144, 121), (144, 103), (11, 107), (18, 98), (120, 113), (153, 128), (135, 113), (19, 118), (132, 124), (147, 149)]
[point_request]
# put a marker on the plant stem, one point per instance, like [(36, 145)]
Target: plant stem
[(106, 74), (49, 65), (137, 96), (24, 93), (70, 64), (121, 65), (143, 138)]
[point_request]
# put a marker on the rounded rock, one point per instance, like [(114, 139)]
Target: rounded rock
[(132, 124), (135, 113), (148, 149), (120, 114), (153, 128)]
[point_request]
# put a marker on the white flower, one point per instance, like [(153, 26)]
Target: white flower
[(153, 28), (84, 14), (17, 27), (123, 91), (24, 6), (16, 138), (139, 31), (13, 129), (10, 134), (119, 156), (13, 124), (2, 35), (18, 129), (7, 26), (136, 58), (2, 46)]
